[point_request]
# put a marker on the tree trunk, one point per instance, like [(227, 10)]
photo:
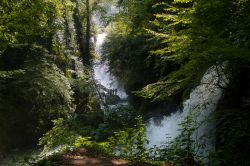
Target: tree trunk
[(79, 29), (87, 39), (83, 38)]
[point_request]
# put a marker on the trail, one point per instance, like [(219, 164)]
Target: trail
[(86, 158)]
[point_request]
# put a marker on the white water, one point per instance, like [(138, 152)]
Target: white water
[(101, 69), (201, 103)]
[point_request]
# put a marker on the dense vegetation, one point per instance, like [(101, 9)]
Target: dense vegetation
[(159, 49), (171, 44), (38, 81)]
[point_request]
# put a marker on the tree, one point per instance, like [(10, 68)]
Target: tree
[(28, 22), (34, 91), (83, 29), (88, 29), (79, 29)]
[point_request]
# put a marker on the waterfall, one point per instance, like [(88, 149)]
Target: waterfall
[(101, 70), (109, 86), (201, 104)]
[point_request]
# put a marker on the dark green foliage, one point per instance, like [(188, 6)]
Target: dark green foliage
[(86, 103), (20, 56), (32, 97), (50, 161), (126, 45), (27, 22), (171, 28), (159, 49), (129, 51), (122, 130), (84, 97), (185, 38), (182, 80), (233, 117), (63, 133), (130, 142), (126, 142), (233, 138), (182, 39), (115, 119)]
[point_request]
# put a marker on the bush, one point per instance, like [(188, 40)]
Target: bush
[(115, 119), (33, 92), (126, 143), (130, 142), (64, 132)]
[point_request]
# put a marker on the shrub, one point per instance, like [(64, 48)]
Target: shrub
[(33, 92), (117, 118)]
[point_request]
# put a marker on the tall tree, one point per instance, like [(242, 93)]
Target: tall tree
[(83, 27), (79, 28), (87, 39)]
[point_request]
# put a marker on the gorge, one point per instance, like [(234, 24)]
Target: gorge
[(141, 82)]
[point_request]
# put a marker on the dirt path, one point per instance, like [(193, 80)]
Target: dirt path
[(84, 158)]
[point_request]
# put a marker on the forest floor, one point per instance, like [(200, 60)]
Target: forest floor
[(83, 157)]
